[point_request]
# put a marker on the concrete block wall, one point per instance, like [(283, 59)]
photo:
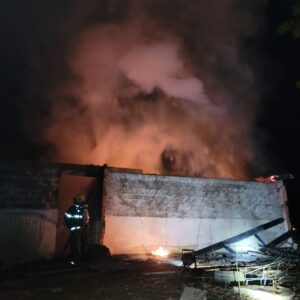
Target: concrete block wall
[(26, 186), (143, 212), (28, 214)]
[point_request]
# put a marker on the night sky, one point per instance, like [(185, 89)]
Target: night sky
[(36, 37), (280, 116)]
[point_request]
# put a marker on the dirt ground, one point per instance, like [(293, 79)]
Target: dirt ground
[(113, 278)]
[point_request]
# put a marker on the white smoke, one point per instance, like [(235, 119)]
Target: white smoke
[(158, 65), (142, 104)]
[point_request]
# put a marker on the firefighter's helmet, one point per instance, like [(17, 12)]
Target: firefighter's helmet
[(79, 199)]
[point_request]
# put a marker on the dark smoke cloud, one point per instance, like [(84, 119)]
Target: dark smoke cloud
[(158, 85)]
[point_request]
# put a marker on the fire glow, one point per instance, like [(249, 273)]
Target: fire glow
[(146, 100), (160, 252)]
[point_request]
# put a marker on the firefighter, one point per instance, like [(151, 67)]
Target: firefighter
[(76, 220)]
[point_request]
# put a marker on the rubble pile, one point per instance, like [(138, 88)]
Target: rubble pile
[(274, 267)]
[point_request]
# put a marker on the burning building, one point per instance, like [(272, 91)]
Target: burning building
[(131, 212), (143, 85)]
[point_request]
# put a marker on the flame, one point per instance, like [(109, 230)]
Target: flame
[(160, 252)]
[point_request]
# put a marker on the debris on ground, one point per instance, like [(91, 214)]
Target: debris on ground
[(190, 293), (273, 270)]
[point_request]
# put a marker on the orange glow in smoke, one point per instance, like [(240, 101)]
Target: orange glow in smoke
[(160, 252), (139, 105)]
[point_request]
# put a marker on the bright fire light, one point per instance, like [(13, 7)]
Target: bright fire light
[(160, 252)]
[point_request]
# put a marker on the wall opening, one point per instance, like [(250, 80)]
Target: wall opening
[(69, 186)]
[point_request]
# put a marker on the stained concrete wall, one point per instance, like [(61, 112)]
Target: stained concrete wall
[(143, 212), (28, 186)]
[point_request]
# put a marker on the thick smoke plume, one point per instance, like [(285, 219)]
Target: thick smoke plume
[(161, 86)]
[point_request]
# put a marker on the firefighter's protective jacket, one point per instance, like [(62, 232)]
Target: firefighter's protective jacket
[(76, 217)]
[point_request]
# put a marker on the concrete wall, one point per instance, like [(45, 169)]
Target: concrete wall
[(143, 212), (28, 214), (26, 186)]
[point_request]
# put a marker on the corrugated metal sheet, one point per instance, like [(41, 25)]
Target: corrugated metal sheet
[(23, 233)]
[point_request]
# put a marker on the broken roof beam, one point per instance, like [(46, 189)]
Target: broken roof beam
[(281, 238), (190, 257), (259, 239), (239, 237)]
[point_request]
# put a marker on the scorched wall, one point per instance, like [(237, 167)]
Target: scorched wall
[(143, 212)]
